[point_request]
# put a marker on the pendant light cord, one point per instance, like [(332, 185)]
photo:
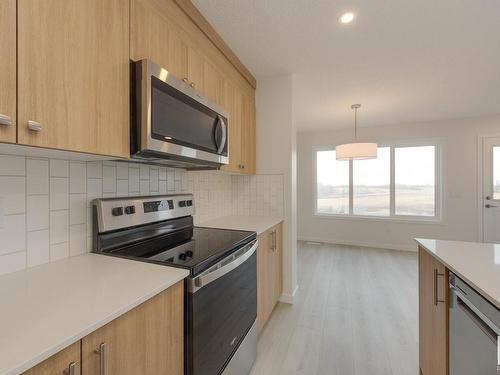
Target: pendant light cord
[(355, 124)]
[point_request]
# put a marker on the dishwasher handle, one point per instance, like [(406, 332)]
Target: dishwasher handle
[(474, 314)]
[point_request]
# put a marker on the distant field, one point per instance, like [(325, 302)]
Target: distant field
[(408, 202)]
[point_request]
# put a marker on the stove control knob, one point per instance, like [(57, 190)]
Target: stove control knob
[(182, 203), (189, 253), (129, 210), (182, 256), (189, 203), (117, 211)]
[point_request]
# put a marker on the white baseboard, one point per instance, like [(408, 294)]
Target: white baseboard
[(290, 298), (361, 243)]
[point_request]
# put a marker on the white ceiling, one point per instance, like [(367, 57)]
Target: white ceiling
[(404, 60)]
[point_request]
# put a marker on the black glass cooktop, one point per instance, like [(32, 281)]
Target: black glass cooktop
[(193, 248)]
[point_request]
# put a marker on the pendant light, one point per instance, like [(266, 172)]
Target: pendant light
[(356, 150)]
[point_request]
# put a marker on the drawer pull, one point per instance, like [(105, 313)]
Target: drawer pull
[(436, 298), (102, 358), (34, 126), (71, 370), (5, 120)]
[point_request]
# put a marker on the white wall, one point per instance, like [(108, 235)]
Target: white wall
[(276, 154), (45, 203), (460, 190)]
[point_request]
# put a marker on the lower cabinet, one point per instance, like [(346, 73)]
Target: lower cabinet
[(269, 273), (67, 361), (433, 315), (146, 340)]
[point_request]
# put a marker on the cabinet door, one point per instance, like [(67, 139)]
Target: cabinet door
[(73, 75), (248, 134), (278, 264), (264, 279), (433, 315), (147, 340), (60, 363), (233, 99), (195, 69), (213, 83), (154, 37), (8, 71)]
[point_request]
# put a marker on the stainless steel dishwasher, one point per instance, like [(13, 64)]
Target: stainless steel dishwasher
[(474, 332)]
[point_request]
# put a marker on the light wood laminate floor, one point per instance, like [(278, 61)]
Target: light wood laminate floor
[(357, 314)]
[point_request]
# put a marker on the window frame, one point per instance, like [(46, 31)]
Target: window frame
[(438, 187)]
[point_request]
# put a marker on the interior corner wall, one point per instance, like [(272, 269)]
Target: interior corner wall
[(276, 154), (460, 188)]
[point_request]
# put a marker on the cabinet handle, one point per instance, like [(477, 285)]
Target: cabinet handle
[(102, 358), (185, 80), (71, 369), (241, 166), (34, 126), (5, 120), (273, 240), (436, 299), (192, 84)]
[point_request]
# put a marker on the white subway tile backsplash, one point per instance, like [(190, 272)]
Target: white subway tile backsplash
[(13, 192), (12, 165), (122, 171), (59, 193), (77, 178), (77, 208), (133, 182), (59, 168), (59, 224), (37, 212), (37, 248), (59, 251), (12, 262), (109, 179), (77, 239), (37, 174), (94, 169), (13, 234), (144, 171), (33, 235)]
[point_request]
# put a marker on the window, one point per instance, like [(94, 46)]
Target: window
[(333, 184), (496, 172), (371, 184), (400, 183)]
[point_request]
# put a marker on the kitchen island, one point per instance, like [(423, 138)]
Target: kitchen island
[(459, 307)]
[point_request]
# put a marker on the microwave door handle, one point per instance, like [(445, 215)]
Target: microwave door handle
[(220, 145)]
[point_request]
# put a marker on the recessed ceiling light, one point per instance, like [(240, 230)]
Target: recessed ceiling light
[(346, 18)]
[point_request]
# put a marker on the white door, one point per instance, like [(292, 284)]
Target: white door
[(491, 190)]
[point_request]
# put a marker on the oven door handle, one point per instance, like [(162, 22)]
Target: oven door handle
[(205, 279)]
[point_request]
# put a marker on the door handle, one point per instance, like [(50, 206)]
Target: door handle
[(490, 206), (436, 298), (34, 126), (71, 369), (5, 120), (102, 358)]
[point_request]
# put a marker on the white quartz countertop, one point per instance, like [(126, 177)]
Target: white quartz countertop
[(47, 308), (478, 264), (257, 224)]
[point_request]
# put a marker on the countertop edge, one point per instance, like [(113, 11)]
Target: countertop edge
[(79, 335), (476, 287), (218, 223)]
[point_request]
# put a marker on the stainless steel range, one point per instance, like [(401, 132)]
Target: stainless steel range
[(221, 291)]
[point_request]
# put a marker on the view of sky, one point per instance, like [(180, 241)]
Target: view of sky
[(413, 166)]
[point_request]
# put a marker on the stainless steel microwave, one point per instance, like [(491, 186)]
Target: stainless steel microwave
[(172, 123)]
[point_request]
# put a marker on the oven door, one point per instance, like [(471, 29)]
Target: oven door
[(221, 309), (175, 120)]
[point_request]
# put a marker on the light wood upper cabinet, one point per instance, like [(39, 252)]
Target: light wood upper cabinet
[(433, 315), (60, 363), (269, 273), (8, 71), (147, 340), (248, 143), (73, 75)]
